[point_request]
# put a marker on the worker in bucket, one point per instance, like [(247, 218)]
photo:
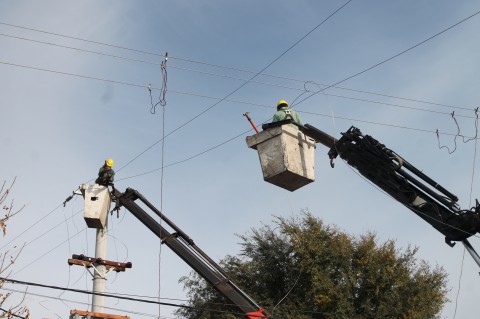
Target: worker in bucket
[(286, 113), (106, 174)]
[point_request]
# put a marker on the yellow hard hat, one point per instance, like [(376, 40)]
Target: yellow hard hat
[(109, 162), (281, 102)]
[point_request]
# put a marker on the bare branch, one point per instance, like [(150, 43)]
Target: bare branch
[(6, 260), (4, 192)]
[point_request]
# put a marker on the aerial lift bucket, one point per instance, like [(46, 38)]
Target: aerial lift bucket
[(287, 156), (97, 205)]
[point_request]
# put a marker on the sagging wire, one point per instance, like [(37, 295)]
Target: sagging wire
[(296, 280), (163, 91), (109, 295), (48, 309), (471, 192), (459, 284), (458, 133), (161, 209), (69, 253), (9, 313)]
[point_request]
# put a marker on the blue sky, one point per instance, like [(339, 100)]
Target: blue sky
[(68, 104)]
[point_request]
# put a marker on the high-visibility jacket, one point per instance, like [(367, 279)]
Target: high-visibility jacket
[(285, 113)]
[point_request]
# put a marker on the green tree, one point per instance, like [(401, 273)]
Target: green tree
[(301, 268)]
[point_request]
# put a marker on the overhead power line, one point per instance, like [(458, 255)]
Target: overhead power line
[(88, 292), (80, 39), (82, 303), (11, 314), (225, 99), (212, 106), (240, 87), (221, 99), (231, 77), (9, 280), (30, 227), (393, 57), (48, 252)]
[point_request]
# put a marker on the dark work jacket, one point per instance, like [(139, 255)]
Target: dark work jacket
[(105, 176)]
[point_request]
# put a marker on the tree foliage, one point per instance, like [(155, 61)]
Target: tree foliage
[(301, 268)]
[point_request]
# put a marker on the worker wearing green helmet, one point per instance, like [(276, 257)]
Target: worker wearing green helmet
[(285, 113)]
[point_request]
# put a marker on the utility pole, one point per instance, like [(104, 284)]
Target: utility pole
[(97, 205), (99, 278)]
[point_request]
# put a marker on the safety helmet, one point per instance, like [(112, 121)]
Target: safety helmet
[(281, 103), (109, 162)]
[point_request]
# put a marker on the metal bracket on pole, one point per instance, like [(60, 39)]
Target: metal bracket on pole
[(76, 314), (90, 262)]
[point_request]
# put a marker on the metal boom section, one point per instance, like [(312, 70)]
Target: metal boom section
[(185, 248), (405, 183)]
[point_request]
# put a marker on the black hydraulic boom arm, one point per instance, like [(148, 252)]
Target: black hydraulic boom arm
[(185, 248), (401, 180)]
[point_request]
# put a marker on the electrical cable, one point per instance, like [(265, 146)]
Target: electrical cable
[(410, 208), (71, 74), (393, 57), (134, 312), (14, 281), (11, 314), (83, 303), (162, 169), (161, 199), (30, 227), (228, 95), (458, 134), (197, 62), (44, 307), (112, 308), (187, 159), (79, 39), (381, 103), (48, 231), (470, 201), (241, 86), (459, 284), (296, 280), (43, 255), (163, 90), (69, 253), (245, 132), (210, 97)]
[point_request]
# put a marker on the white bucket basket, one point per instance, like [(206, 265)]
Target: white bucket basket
[(97, 205), (287, 156)]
